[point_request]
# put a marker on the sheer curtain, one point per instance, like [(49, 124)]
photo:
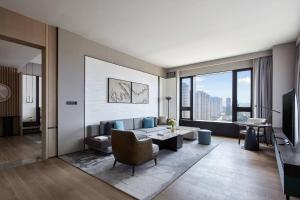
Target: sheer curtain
[(262, 88)]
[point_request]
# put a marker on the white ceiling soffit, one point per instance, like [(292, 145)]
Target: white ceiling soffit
[(172, 33), (16, 55)]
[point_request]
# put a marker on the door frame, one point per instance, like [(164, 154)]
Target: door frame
[(44, 123)]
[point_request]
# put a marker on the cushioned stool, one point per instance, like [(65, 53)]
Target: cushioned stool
[(204, 136)]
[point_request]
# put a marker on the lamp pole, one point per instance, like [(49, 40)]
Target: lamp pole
[(168, 99)]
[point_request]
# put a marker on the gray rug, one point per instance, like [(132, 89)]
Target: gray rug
[(149, 180)]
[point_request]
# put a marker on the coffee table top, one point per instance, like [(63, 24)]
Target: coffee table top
[(167, 134), (162, 135)]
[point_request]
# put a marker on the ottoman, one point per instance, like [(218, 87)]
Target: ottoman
[(204, 136)]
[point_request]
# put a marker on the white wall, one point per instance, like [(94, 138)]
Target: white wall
[(71, 51), (284, 57), (168, 87), (97, 109), (162, 98)]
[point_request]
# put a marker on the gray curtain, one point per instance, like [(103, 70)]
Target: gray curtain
[(262, 79), (297, 78)]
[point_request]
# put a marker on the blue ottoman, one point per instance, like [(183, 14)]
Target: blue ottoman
[(204, 136)]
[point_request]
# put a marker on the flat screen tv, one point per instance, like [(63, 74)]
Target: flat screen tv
[(290, 117)]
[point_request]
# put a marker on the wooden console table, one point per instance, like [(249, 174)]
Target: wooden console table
[(288, 162)]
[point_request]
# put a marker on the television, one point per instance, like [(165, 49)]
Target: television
[(290, 117)]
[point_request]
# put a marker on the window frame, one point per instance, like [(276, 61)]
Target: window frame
[(234, 108), (187, 108)]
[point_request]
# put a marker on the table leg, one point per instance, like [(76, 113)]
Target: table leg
[(251, 140)]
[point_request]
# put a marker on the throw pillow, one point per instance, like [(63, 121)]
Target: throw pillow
[(119, 125), (162, 120), (107, 128), (155, 121), (148, 122)]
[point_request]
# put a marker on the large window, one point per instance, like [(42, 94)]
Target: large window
[(224, 96)]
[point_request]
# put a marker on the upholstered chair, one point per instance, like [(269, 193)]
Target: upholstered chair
[(127, 149)]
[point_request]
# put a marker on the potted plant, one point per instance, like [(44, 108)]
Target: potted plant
[(172, 123)]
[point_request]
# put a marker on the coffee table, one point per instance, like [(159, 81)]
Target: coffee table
[(167, 140)]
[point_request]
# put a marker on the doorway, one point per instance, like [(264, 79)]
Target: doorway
[(20, 104)]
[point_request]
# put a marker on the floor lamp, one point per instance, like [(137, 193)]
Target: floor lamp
[(168, 99)]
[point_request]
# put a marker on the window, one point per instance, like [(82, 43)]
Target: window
[(224, 96), (212, 97), (242, 104), (186, 85)]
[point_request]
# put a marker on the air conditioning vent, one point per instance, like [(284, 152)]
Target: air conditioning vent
[(171, 74)]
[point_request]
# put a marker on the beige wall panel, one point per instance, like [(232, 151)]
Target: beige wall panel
[(52, 142), (18, 27), (52, 77)]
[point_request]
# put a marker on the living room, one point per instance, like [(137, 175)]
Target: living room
[(150, 100)]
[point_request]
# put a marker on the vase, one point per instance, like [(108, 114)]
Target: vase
[(173, 129)]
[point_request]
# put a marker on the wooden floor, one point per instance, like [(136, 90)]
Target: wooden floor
[(18, 148), (228, 172)]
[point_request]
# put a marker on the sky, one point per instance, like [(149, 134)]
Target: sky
[(220, 85)]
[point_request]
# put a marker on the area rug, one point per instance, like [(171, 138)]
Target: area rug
[(149, 180)]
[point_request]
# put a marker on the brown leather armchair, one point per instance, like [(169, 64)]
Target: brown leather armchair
[(127, 149)]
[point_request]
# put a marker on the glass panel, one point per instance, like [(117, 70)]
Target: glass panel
[(243, 116), (186, 92), (244, 88), (212, 97), (186, 114)]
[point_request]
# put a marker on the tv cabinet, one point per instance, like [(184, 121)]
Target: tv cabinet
[(288, 162)]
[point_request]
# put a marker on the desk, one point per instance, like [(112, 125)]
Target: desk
[(252, 138)]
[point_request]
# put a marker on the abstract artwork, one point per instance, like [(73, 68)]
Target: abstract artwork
[(119, 91), (140, 93)]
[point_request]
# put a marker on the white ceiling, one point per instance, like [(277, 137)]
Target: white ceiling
[(17, 56), (171, 33)]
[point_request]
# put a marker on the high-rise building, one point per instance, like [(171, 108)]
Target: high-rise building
[(228, 106), (215, 108), (202, 106)]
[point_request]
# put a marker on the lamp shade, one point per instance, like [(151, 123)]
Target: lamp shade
[(168, 98)]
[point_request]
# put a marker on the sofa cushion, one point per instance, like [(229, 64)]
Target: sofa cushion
[(155, 121), (119, 124), (149, 130), (138, 123), (105, 127), (148, 122), (162, 120), (93, 130), (128, 124)]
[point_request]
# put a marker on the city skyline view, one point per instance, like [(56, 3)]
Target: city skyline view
[(214, 84)]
